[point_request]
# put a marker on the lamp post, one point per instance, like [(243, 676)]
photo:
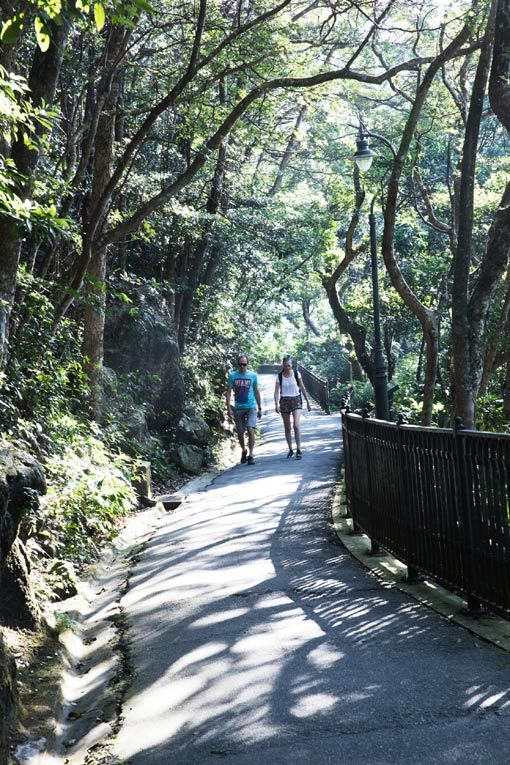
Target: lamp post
[(363, 158)]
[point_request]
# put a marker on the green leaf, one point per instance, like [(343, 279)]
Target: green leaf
[(53, 8), (143, 5), (42, 34), (11, 29), (99, 16)]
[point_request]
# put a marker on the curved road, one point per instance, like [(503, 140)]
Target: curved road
[(258, 639)]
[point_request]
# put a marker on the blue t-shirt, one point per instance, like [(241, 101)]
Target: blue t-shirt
[(243, 384)]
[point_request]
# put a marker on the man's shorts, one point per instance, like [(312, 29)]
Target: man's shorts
[(245, 418)]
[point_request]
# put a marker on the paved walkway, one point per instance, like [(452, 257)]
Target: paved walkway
[(258, 639)]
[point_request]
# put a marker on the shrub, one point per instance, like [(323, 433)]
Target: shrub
[(89, 489)]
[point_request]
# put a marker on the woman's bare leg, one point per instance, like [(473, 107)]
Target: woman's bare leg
[(288, 431), (297, 427)]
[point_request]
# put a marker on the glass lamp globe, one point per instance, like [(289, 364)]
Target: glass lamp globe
[(363, 156)]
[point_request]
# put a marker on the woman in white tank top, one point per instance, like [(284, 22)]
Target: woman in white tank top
[(288, 394)]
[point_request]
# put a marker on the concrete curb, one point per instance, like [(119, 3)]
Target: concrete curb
[(86, 708), (87, 713), (391, 571), (92, 634)]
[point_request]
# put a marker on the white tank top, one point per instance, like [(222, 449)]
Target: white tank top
[(289, 385)]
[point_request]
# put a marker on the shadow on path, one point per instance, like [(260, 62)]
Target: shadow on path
[(258, 639)]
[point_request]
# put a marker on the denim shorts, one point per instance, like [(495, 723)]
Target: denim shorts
[(245, 418)]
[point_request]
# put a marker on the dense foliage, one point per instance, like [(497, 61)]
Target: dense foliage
[(201, 154)]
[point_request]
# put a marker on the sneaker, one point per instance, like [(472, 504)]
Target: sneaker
[(251, 461), (298, 454), (244, 457), (290, 454)]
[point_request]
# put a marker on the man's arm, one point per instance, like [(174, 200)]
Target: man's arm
[(229, 408), (259, 401)]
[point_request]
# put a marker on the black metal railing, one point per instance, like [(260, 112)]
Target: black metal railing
[(437, 499), (316, 387)]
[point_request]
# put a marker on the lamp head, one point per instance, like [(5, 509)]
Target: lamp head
[(363, 155)]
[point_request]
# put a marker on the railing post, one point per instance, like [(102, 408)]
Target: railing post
[(326, 399), (413, 574), (375, 548), (316, 387), (347, 459), (448, 507), (356, 531), (474, 606)]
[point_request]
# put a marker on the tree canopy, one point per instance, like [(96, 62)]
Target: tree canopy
[(177, 184)]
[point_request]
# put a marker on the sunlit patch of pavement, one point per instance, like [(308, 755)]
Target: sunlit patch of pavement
[(257, 640)]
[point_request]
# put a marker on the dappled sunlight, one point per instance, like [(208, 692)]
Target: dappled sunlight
[(202, 653), (258, 628), (195, 559), (313, 704), (325, 655), (79, 687), (208, 621), (487, 697)]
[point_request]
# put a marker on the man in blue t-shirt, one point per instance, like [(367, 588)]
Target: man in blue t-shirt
[(247, 405)]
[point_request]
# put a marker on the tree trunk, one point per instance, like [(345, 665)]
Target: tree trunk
[(431, 338), (427, 317), (345, 323), (388, 342), (42, 81), (94, 316), (499, 331), (356, 368), (491, 270), (290, 149), (93, 328), (465, 375), (499, 83), (197, 258), (305, 307), (349, 327), (506, 394), (419, 367)]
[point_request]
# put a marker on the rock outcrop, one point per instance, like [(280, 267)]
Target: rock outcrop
[(193, 435), (190, 458), (193, 429), (21, 480), (7, 699)]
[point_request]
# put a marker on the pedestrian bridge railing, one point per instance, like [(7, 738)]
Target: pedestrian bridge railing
[(437, 499), (316, 387)]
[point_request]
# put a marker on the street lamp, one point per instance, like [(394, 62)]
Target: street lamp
[(363, 158)]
